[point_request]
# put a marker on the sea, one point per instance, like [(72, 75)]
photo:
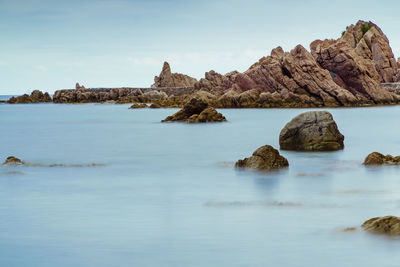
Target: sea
[(110, 186)]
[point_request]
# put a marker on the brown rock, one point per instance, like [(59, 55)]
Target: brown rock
[(138, 105), (311, 131), (35, 97), (376, 158), (388, 225), (78, 86), (196, 110), (264, 158), (13, 161), (362, 59), (168, 79)]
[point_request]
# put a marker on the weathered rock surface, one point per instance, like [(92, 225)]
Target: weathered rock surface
[(196, 110), (343, 72), (138, 105), (35, 97), (376, 158), (168, 79), (311, 131), (13, 161), (388, 225), (361, 59), (264, 158)]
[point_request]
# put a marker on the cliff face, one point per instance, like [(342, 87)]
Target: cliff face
[(169, 79), (343, 72)]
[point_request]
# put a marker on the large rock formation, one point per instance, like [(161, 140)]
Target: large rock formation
[(376, 158), (359, 61), (196, 110), (388, 225), (35, 97), (264, 158), (168, 79), (343, 72), (311, 131)]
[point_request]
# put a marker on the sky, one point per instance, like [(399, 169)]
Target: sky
[(52, 44)]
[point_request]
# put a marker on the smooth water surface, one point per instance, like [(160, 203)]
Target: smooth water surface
[(168, 194)]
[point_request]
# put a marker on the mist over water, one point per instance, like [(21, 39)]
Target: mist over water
[(168, 194)]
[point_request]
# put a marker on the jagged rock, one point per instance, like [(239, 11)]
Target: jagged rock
[(35, 97), (311, 131), (168, 79), (138, 105), (362, 59), (264, 158), (13, 161), (376, 158), (196, 110), (78, 86), (388, 225)]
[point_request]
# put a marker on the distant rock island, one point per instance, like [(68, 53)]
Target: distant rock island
[(357, 69)]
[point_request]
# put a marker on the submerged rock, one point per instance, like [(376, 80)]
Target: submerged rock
[(264, 158), (376, 158), (196, 110), (389, 225), (311, 131), (138, 105), (13, 161)]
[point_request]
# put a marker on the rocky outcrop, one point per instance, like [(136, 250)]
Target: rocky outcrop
[(311, 131), (168, 79), (360, 60), (376, 158), (196, 110), (343, 72), (138, 105), (35, 97), (13, 161), (264, 158), (78, 86), (388, 225)]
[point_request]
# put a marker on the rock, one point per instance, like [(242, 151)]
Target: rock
[(138, 105), (154, 105), (362, 59), (388, 225), (376, 158), (35, 97), (196, 110), (78, 86), (311, 131), (168, 79), (264, 158), (13, 161)]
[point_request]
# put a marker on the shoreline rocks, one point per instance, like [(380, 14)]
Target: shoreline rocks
[(169, 79), (376, 159), (196, 110), (138, 105), (35, 97), (264, 158), (388, 225), (311, 131)]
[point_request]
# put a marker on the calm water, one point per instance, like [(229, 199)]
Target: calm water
[(168, 194)]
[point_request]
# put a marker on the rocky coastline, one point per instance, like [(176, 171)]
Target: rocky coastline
[(357, 69)]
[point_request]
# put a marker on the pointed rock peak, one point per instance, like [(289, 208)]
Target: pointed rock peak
[(166, 67)]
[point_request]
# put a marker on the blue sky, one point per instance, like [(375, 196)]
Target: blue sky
[(50, 45)]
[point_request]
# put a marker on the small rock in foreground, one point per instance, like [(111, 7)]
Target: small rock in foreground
[(13, 161), (264, 158), (376, 158), (138, 105), (389, 225)]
